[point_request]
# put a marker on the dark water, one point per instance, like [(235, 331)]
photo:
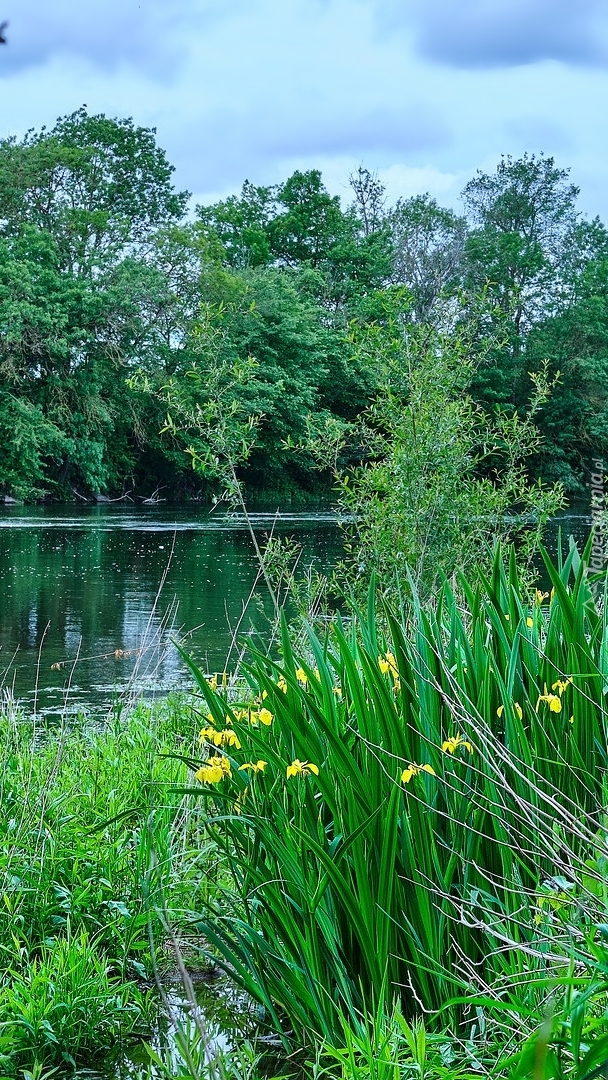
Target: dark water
[(80, 589), (81, 616)]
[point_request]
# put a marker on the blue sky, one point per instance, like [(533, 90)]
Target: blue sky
[(422, 91)]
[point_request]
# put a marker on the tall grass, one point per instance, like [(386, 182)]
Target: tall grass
[(440, 836), (88, 811)]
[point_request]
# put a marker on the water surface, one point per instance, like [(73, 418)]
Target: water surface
[(90, 597)]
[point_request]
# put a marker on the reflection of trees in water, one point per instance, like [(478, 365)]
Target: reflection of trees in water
[(95, 588)]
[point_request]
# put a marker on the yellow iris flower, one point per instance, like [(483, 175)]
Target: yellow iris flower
[(220, 738), (388, 663), (300, 768), (255, 767), (561, 685), (413, 770), (214, 770), (516, 706), (451, 745), (552, 700)]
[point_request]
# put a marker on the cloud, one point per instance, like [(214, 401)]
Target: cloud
[(503, 33), (255, 143), (144, 34)]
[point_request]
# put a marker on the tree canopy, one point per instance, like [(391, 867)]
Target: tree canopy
[(116, 300)]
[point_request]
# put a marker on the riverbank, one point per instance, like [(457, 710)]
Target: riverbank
[(403, 822), (87, 813)]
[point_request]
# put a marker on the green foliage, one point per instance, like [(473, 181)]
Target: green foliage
[(419, 817), (261, 363), (64, 1005), (442, 478), (86, 816), (105, 293), (75, 202), (428, 246)]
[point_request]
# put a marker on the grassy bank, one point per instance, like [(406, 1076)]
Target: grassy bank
[(87, 814)]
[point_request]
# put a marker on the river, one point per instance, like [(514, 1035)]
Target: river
[(91, 597)]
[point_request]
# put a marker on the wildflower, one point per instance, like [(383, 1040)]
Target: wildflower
[(282, 684), (301, 676), (388, 663), (300, 768), (529, 623), (451, 745), (265, 717), (220, 762), (516, 706), (571, 721), (207, 734), (337, 691), (214, 770), (413, 770), (255, 767), (560, 686), (220, 738), (540, 596), (230, 738), (212, 681), (553, 701)]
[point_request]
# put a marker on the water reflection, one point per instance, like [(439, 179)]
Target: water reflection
[(80, 610), (80, 614)]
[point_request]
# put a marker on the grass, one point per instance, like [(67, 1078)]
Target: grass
[(88, 815)]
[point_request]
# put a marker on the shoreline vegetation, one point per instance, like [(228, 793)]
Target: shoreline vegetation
[(391, 840), (142, 339), (387, 826)]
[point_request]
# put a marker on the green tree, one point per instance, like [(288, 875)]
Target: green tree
[(428, 247), (574, 421), (438, 479), (522, 217), (79, 208)]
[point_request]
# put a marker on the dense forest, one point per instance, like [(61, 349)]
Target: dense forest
[(140, 341)]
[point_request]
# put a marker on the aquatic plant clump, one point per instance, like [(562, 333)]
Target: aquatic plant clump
[(416, 798)]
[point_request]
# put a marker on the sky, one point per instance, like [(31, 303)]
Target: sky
[(422, 92)]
